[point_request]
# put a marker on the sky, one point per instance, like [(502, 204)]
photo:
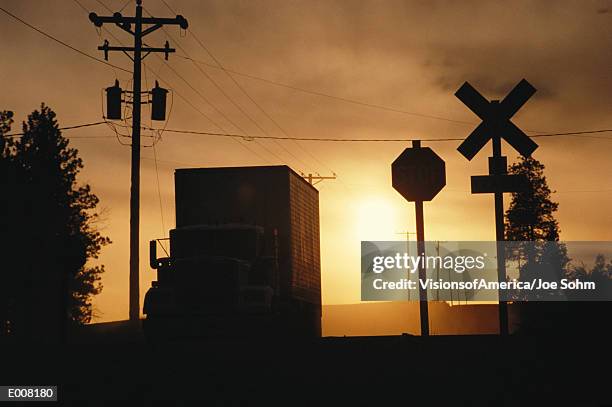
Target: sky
[(405, 55)]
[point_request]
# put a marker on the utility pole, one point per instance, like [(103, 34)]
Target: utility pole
[(136, 27), (407, 233), (315, 179)]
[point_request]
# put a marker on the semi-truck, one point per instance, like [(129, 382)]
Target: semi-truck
[(243, 260)]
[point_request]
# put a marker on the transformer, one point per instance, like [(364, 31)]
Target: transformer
[(113, 101), (158, 107)]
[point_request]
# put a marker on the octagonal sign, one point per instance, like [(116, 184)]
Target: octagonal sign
[(418, 174)]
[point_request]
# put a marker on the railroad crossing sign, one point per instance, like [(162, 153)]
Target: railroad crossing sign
[(496, 119), (418, 173), (498, 180), (496, 125)]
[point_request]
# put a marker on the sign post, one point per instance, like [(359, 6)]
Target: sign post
[(418, 174), (496, 125)]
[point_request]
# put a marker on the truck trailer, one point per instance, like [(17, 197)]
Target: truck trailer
[(243, 260)]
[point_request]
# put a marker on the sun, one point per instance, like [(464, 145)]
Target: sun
[(375, 220)]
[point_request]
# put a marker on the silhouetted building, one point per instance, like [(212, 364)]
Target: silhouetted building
[(244, 257)]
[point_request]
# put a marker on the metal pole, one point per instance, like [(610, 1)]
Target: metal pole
[(499, 231), (438, 269), (424, 311), (420, 229), (408, 253), (135, 175), (407, 233)]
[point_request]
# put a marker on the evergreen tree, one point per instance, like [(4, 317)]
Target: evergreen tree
[(7, 195), (530, 222), (530, 216), (52, 226), (600, 274)]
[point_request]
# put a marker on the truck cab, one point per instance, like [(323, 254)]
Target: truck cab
[(213, 273)]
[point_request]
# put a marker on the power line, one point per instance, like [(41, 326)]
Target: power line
[(227, 72), (168, 6), (300, 138), (90, 137), (205, 99), (161, 208), (581, 134), (581, 191), (86, 11), (62, 42), (252, 99), (277, 84), (378, 140), (109, 9), (156, 74), (110, 124), (125, 5), (167, 83), (105, 6), (239, 86), (156, 160), (577, 133), (251, 119), (329, 96), (189, 103), (232, 101), (77, 126), (313, 92)]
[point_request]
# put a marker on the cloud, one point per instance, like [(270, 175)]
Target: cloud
[(558, 49)]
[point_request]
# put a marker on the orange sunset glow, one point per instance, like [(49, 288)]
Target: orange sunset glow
[(306, 202), (389, 70)]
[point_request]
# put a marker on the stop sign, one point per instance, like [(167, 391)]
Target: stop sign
[(418, 174)]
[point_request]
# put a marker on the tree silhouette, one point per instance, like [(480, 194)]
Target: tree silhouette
[(530, 216), (51, 221), (530, 222), (600, 274), (8, 176)]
